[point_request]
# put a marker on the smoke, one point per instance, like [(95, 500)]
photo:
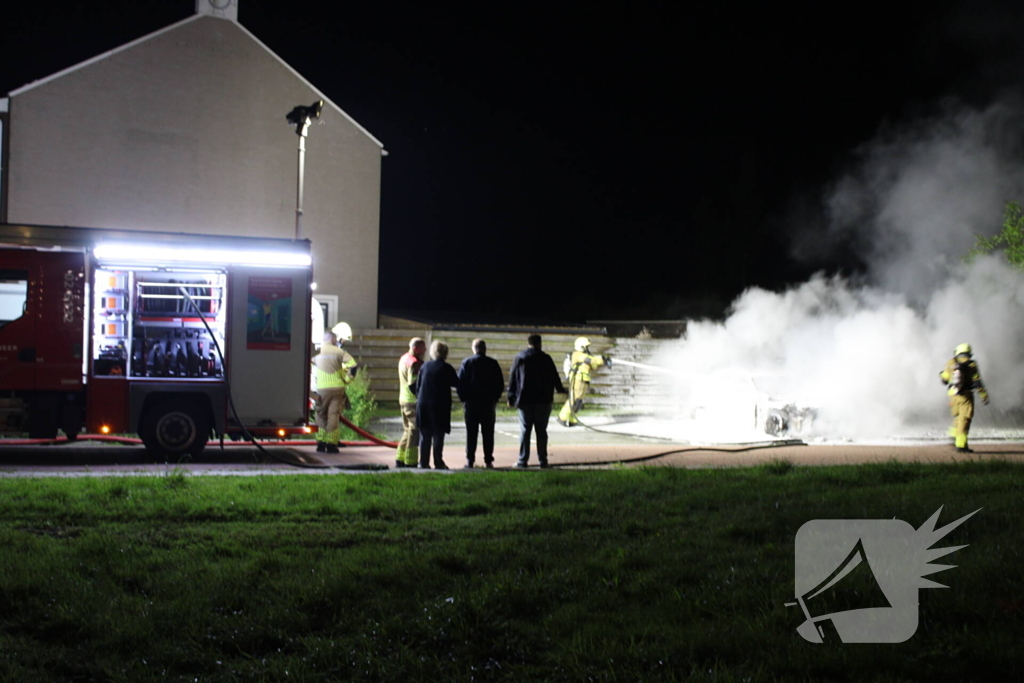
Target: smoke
[(867, 355), (919, 194)]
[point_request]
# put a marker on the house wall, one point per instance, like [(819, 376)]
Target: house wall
[(185, 131)]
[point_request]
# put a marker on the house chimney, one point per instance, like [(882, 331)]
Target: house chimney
[(225, 9)]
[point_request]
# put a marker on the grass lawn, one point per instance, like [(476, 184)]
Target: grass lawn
[(617, 575)]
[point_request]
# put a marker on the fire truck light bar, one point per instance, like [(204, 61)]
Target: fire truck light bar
[(137, 252)]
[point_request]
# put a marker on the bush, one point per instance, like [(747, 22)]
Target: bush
[(363, 404), (1010, 240)]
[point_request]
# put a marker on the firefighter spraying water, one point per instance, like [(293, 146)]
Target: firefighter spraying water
[(578, 368)]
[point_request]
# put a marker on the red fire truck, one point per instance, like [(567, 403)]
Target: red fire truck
[(175, 337)]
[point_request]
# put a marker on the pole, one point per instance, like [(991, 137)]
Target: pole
[(301, 117), (301, 130)]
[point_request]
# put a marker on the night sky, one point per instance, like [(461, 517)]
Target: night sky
[(583, 161)]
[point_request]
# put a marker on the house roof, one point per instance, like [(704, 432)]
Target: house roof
[(172, 27)]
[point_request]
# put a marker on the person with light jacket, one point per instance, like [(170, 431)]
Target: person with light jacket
[(332, 370)]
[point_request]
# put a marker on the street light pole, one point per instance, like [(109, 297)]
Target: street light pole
[(302, 175), (301, 117)]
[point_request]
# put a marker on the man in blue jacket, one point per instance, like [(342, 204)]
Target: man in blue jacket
[(531, 385), (481, 384)]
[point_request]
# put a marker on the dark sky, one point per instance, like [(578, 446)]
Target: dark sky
[(582, 161)]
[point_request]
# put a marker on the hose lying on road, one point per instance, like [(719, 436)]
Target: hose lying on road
[(687, 449), (59, 440), (367, 435), (63, 439), (234, 413)]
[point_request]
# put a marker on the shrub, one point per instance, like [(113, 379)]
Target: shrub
[(363, 404)]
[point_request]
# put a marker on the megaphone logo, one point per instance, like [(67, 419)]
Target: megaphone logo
[(857, 579)]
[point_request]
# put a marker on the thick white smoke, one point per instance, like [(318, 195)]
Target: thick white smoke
[(867, 357)]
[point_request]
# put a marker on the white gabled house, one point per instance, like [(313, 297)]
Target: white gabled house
[(184, 130)]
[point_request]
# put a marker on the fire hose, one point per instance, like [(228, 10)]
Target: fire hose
[(250, 439), (133, 441), (371, 439), (644, 366), (245, 432), (675, 451)]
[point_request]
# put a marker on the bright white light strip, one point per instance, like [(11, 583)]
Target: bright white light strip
[(128, 252)]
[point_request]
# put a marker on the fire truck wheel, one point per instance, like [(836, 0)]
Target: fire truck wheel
[(71, 421), (42, 416), (175, 427)]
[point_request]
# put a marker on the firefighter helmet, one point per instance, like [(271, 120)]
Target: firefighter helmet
[(963, 348), (582, 343), (343, 331)]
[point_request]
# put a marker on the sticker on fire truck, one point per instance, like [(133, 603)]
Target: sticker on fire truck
[(269, 319)]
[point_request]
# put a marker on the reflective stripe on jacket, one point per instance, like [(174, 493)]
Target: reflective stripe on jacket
[(332, 367), (408, 370)]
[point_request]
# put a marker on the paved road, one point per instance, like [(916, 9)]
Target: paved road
[(569, 449)]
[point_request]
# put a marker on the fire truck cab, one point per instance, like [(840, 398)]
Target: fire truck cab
[(175, 337)]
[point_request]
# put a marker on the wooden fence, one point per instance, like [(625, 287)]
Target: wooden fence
[(620, 387)]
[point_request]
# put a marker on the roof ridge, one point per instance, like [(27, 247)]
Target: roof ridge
[(178, 24)]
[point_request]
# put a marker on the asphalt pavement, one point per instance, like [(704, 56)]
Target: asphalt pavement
[(612, 443)]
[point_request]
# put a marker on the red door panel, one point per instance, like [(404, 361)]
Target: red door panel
[(42, 349)]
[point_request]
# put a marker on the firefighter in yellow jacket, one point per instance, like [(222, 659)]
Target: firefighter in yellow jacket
[(962, 376), (408, 452), (333, 369), (580, 364)]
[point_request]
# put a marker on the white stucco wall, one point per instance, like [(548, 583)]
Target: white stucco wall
[(185, 131)]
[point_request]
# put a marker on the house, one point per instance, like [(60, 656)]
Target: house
[(184, 130)]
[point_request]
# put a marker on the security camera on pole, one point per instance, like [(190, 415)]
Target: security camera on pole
[(301, 117)]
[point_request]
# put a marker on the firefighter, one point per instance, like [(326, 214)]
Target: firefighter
[(334, 369), (580, 364), (962, 377), (408, 453)]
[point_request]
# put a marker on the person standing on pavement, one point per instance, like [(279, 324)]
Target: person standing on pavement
[(434, 404), (331, 371), (962, 377), (481, 384), (532, 382), (407, 454), (581, 364)]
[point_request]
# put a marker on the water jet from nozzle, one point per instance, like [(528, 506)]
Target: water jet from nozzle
[(645, 366)]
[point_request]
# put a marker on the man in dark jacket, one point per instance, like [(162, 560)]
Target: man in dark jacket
[(434, 387), (481, 384), (532, 382)]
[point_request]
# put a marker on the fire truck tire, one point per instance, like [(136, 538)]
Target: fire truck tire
[(71, 420), (175, 427), (42, 416)]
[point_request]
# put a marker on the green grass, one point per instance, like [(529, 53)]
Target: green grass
[(622, 575)]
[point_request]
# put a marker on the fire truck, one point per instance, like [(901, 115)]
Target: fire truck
[(176, 337)]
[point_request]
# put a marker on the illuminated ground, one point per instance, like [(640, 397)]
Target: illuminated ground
[(632, 441)]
